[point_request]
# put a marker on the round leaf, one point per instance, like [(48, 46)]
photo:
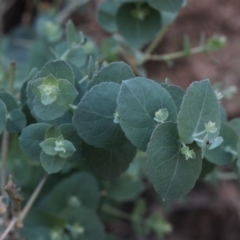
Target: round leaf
[(113, 72), (199, 106), (94, 117), (171, 174), (138, 101), (49, 112), (30, 139), (176, 93), (52, 164), (138, 23), (79, 185), (235, 125), (219, 155), (16, 121), (85, 219), (106, 15), (59, 69), (109, 164), (9, 101)]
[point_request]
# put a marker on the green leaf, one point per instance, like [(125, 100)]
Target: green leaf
[(171, 174), (67, 94), (113, 72), (48, 146), (52, 132), (176, 93), (167, 5), (235, 125), (3, 114), (138, 23), (59, 69), (220, 155), (69, 133), (138, 101), (16, 121), (49, 112), (52, 164), (199, 106), (107, 14), (125, 189), (75, 54), (69, 149), (94, 117), (30, 139), (109, 164), (82, 186), (84, 224), (9, 101), (73, 37)]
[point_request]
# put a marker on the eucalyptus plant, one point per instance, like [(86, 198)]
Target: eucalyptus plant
[(85, 120)]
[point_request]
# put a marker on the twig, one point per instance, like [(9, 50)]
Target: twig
[(155, 42), (171, 56), (18, 220), (4, 155), (8, 229), (32, 199), (12, 76), (15, 199), (69, 9)]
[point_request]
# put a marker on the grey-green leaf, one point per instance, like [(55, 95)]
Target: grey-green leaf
[(220, 155), (30, 139), (94, 117), (59, 69), (235, 125), (176, 93), (88, 221), (199, 106), (82, 186), (171, 174), (107, 14), (113, 72), (49, 112), (138, 101), (109, 164), (9, 101), (52, 164), (138, 23), (16, 121)]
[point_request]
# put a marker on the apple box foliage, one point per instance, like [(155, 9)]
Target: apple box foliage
[(89, 123)]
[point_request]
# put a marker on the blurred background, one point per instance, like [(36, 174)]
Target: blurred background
[(212, 209)]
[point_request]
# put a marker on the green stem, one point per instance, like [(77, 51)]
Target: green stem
[(115, 212), (155, 43), (12, 76), (179, 54), (84, 79)]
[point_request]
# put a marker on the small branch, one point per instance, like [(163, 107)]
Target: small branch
[(32, 199), (179, 54), (69, 9), (155, 42), (15, 199), (4, 155), (12, 76), (8, 229)]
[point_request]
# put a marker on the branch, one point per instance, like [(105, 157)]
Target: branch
[(171, 56), (15, 198)]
